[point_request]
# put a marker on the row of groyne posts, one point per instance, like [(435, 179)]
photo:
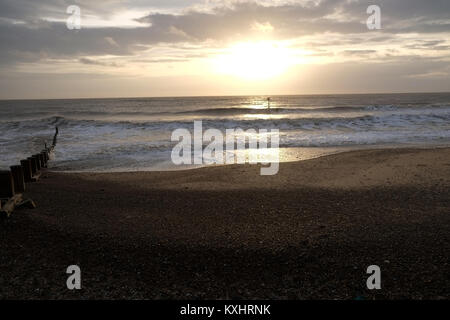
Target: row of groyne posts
[(13, 181)]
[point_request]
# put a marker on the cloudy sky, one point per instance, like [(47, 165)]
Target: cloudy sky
[(137, 48)]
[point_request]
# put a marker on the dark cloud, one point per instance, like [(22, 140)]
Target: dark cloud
[(359, 52), (428, 45), (223, 23), (98, 63)]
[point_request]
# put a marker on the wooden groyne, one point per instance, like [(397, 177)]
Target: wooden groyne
[(13, 182)]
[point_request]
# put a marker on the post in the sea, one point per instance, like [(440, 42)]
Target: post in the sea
[(268, 103)]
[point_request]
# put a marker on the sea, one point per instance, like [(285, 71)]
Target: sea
[(134, 134)]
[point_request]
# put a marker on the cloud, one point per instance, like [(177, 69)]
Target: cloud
[(97, 62), (359, 52), (263, 27), (35, 33), (428, 45), (235, 21)]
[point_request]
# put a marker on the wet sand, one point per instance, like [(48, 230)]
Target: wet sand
[(308, 232)]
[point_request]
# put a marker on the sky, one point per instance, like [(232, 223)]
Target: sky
[(127, 48)]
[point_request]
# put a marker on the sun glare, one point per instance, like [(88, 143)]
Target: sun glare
[(253, 61)]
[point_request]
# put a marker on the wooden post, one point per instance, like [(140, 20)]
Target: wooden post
[(45, 153), (38, 161), (19, 181), (26, 167), (6, 184), (33, 165), (42, 159), (54, 137)]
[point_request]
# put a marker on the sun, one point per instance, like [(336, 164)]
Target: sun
[(254, 60)]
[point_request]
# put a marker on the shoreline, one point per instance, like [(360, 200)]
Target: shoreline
[(226, 232), (349, 169), (296, 153)]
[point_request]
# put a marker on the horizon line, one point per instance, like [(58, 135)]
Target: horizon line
[(225, 95)]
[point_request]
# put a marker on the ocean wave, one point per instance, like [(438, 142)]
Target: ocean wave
[(37, 118), (355, 123)]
